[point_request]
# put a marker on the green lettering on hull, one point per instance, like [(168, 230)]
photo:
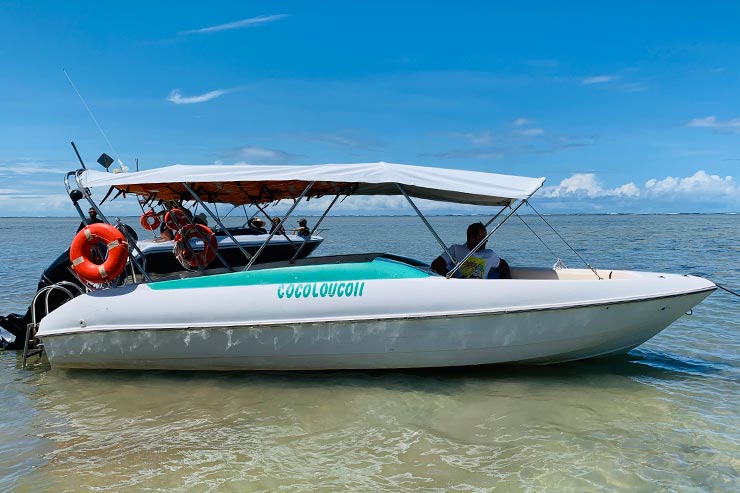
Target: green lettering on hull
[(321, 289)]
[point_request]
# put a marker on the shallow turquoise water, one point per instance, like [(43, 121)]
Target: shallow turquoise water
[(663, 418)]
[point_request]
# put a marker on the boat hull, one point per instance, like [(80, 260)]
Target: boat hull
[(403, 323)]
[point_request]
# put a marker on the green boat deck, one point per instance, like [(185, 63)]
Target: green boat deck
[(379, 268)]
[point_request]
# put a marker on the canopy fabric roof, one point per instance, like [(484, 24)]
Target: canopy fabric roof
[(246, 184)]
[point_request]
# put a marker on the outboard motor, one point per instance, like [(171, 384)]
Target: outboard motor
[(13, 326), (16, 324)]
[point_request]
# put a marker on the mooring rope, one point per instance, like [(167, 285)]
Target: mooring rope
[(717, 284), (725, 289)]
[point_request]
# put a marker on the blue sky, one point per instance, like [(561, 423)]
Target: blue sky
[(624, 107)]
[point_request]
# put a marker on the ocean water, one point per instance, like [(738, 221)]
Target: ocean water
[(665, 417)]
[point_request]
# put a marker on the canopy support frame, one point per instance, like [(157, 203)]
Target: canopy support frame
[(470, 254), (423, 219), (303, 243), (218, 221), (272, 225), (285, 218)]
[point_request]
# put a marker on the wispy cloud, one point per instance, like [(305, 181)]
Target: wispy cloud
[(598, 79), (484, 137), (262, 155), (480, 154), (23, 167), (521, 137), (531, 132), (251, 22), (347, 139), (727, 126), (176, 97)]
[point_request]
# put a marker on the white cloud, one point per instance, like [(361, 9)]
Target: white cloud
[(252, 21), (598, 79), (728, 126), (700, 192), (520, 121), (587, 185), (701, 185), (176, 97)]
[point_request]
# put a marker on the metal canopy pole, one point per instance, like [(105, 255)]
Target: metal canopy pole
[(218, 221), (472, 252), (495, 217), (423, 219), (272, 233), (292, 260)]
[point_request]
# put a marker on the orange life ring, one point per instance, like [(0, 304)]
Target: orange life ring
[(187, 255), (176, 219), (81, 254), (150, 220)]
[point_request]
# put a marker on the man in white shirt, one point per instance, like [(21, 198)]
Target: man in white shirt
[(483, 264)]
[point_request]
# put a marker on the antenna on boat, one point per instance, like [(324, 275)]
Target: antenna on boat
[(89, 112), (78, 155)]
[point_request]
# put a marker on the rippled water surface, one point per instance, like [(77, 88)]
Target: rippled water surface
[(662, 418)]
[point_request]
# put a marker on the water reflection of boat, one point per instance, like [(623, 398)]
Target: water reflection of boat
[(355, 311)]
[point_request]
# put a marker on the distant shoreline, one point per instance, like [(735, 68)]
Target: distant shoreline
[(464, 215)]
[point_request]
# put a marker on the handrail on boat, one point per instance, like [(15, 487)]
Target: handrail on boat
[(33, 326)]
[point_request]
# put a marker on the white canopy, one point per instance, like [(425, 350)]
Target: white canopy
[(244, 184)]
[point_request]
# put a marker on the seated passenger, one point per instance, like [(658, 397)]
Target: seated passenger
[(483, 264), (165, 234), (201, 219), (275, 223), (258, 224), (302, 229)]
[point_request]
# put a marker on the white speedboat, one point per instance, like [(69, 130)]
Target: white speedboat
[(366, 311)]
